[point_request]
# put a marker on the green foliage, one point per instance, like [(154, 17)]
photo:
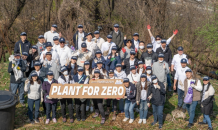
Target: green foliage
[(208, 33)]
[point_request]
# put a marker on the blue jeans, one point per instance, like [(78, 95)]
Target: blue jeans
[(180, 98), (191, 110), (50, 107), (143, 109), (207, 120), (169, 81), (128, 108), (121, 105), (30, 108), (158, 112), (20, 87)]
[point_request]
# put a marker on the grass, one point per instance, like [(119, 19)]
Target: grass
[(94, 124)]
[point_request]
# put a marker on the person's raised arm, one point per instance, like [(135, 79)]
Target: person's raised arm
[(169, 39)]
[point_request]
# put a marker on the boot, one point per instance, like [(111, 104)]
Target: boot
[(114, 116), (107, 112)]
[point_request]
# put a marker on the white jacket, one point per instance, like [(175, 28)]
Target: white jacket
[(82, 56), (64, 55), (92, 46), (99, 41), (120, 75), (61, 81), (34, 91), (106, 48), (49, 36), (102, 73), (134, 77), (55, 47), (54, 55)]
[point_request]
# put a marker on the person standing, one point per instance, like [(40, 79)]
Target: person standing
[(107, 46), (65, 78), (98, 56), (130, 100), (133, 77), (40, 44), (164, 49), (78, 37), (141, 97), (91, 44), (141, 50), (64, 52), (156, 95), (125, 52), (49, 49), (34, 90), (56, 43), (156, 41), (49, 35), (149, 57), (127, 63), (22, 45), (196, 86), (117, 37), (180, 76), (80, 78), (149, 73), (207, 100), (135, 41), (161, 69), (15, 83), (112, 59), (83, 55), (51, 104), (98, 39), (176, 62)]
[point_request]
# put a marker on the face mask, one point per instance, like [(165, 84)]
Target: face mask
[(65, 72), (141, 47), (160, 61), (149, 50), (154, 81), (158, 42), (148, 71)]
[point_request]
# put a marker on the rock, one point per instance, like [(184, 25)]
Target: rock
[(178, 114), (168, 117)]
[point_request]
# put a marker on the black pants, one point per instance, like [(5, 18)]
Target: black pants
[(63, 107), (80, 113), (174, 73), (98, 104), (114, 103), (44, 108)]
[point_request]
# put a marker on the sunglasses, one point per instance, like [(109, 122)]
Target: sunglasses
[(62, 42), (132, 54)]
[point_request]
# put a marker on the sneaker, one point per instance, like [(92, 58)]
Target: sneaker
[(22, 104), (189, 125), (131, 120), (144, 121), (71, 120), (32, 122), (91, 109), (83, 119), (125, 119), (153, 123), (183, 110), (47, 121), (210, 128), (202, 123), (78, 119), (37, 121), (96, 115), (102, 120), (64, 120), (54, 120), (87, 108), (178, 108), (160, 126), (140, 121)]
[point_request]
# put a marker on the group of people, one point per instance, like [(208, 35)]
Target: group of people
[(145, 70)]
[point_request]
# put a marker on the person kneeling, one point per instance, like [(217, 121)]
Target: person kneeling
[(130, 100)]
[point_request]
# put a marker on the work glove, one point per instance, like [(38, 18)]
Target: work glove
[(124, 50), (175, 32), (148, 26), (136, 50), (37, 58)]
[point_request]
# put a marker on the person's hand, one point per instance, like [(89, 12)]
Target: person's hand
[(148, 27), (41, 98), (124, 97), (30, 51), (158, 86), (148, 104), (48, 97), (192, 85), (44, 56), (137, 102), (136, 50), (124, 50), (202, 106), (60, 35), (77, 53), (149, 97), (118, 98), (144, 66), (175, 32), (37, 58), (123, 63), (174, 87), (27, 81), (109, 57), (105, 98), (164, 66), (116, 54), (124, 37)]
